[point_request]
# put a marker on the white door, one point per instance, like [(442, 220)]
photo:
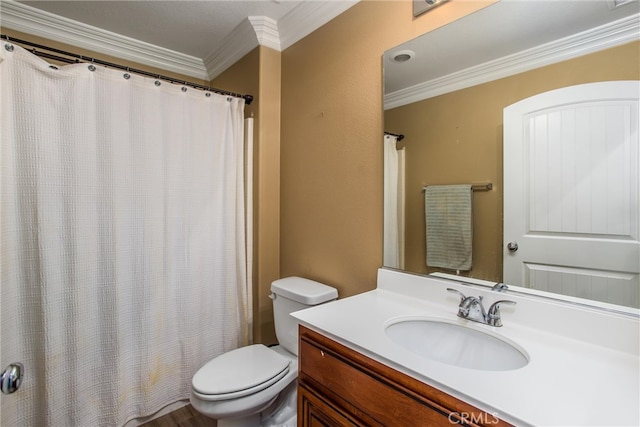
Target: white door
[(571, 186)]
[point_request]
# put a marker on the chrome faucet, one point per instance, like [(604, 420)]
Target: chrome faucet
[(471, 308)]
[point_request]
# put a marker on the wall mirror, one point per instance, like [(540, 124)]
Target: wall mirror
[(445, 93)]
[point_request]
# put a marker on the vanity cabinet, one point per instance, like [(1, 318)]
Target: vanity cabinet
[(338, 386)]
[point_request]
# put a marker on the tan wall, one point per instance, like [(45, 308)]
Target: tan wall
[(457, 138), (328, 225), (258, 74), (319, 156), (331, 152)]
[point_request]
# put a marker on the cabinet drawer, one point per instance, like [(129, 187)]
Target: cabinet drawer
[(360, 391), (375, 394)]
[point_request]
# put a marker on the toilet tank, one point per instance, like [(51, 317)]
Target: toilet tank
[(292, 294)]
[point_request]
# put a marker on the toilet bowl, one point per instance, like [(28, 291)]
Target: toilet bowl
[(255, 385)]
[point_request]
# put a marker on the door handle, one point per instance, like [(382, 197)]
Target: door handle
[(512, 246), (12, 377)]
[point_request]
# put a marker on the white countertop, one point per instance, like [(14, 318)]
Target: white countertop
[(584, 367)]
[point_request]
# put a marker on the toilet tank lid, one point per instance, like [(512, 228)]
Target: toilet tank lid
[(303, 290)]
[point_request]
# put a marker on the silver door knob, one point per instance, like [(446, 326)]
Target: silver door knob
[(512, 246), (12, 377)]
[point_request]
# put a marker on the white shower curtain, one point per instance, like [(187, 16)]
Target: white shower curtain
[(393, 238), (122, 240)]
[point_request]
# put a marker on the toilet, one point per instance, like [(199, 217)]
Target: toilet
[(256, 385)]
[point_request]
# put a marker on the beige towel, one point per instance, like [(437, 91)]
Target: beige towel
[(449, 225)]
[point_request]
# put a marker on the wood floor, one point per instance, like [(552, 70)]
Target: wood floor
[(183, 417)]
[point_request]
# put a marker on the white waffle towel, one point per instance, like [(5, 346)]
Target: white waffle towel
[(449, 225)]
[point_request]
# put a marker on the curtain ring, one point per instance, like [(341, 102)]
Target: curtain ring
[(8, 46), (126, 75)]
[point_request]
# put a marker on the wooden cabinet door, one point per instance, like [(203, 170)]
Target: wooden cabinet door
[(316, 412), (341, 387)]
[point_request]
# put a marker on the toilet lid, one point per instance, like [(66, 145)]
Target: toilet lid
[(240, 372)]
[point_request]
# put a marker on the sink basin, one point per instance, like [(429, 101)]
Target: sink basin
[(456, 345)]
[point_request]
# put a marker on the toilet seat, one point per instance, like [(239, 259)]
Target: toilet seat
[(239, 373)]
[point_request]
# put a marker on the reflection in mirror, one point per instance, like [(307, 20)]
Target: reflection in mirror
[(448, 102)]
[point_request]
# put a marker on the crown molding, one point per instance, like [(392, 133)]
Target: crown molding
[(234, 46), (266, 30), (300, 21), (614, 34), (249, 34), (307, 17), (26, 19)]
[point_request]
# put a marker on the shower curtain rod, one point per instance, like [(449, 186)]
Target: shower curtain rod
[(399, 136), (80, 58)]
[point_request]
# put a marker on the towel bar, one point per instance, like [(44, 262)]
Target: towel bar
[(475, 187)]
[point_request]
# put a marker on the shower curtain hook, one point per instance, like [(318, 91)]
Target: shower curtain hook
[(8, 46)]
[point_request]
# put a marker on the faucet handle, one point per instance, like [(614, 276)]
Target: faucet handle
[(500, 287), (455, 291), (493, 315)]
